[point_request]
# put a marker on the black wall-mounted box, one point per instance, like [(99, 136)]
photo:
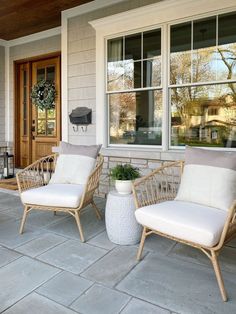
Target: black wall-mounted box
[(81, 116)]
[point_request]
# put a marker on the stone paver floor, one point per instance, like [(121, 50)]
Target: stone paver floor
[(48, 270)]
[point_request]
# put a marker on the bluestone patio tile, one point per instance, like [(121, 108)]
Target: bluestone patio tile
[(110, 269), (72, 256), (101, 240), (100, 300), (7, 256), (90, 224), (179, 286), (10, 237), (158, 244), (37, 304), (136, 306), (227, 256), (43, 243), (64, 288), (20, 277)]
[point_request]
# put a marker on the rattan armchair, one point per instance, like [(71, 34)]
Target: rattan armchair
[(162, 185), (38, 175)]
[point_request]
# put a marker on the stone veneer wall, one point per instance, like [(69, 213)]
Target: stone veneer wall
[(145, 166)]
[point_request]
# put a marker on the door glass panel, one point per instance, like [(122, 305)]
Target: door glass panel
[(41, 114), (51, 74), (51, 113), (41, 127), (40, 74), (51, 127)]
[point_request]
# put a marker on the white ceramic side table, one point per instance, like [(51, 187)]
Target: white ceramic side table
[(122, 227)]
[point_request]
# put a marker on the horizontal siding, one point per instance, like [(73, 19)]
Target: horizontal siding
[(82, 63)]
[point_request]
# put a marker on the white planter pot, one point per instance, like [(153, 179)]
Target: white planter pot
[(123, 186)]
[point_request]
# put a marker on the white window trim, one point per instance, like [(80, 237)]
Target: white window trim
[(136, 20)]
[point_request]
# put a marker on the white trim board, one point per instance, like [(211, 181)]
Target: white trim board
[(88, 7), (34, 37), (138, 19)]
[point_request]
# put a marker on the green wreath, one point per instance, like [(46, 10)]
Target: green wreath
[(43, 95)]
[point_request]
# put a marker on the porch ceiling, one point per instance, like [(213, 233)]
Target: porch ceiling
[(24, 17)]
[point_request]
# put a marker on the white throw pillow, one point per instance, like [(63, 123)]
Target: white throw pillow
[(209, 178), (72, 169), (75, 163)]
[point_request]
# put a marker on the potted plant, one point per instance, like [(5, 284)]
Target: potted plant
[(123, 176)]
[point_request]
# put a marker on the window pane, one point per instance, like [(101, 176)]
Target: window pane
[(132, 75), (152, 44), (152, 72), (204, 53), (133, 47), (115, 67), (136, 118), (227, 47), (115, 75), (204, 33), (204, 116), (115, 49), (180, 58), (204, 64)]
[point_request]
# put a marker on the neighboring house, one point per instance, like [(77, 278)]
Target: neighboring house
[(140, 66)]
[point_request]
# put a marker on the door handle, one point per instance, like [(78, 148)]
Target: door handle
[(33, 129)]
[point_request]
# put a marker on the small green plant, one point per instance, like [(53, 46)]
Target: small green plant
[(124, 172)]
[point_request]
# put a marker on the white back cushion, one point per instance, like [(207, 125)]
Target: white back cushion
[(72, 169), (209, 178)]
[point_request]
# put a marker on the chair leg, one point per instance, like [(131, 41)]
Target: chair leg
[(219, 278), (26, 211), (77, 218), (141, 245), (97, 211)]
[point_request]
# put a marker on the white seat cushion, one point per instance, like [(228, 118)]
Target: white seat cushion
[(61, 195), (184, 220)]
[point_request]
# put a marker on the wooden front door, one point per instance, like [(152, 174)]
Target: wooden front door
[(40, 130)]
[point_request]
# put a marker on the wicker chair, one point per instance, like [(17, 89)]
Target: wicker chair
[(162, 185), (38, 175)]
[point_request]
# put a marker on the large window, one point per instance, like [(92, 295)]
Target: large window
[(202, 87), (134, 89), (199, 80)]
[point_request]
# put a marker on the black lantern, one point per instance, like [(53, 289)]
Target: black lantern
[(9, 169)]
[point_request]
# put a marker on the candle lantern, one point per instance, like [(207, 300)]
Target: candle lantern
[(9, 168)]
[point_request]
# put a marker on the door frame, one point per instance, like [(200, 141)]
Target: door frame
[(16, 109)]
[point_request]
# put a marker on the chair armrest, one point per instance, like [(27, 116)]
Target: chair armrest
[(229, 230), (93, 181), (37, 174), (160, 185)]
